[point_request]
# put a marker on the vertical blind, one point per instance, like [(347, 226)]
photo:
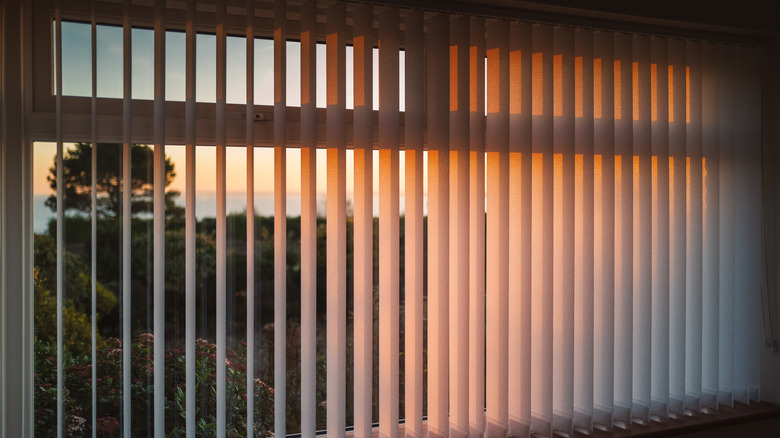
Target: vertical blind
[(585, 253)]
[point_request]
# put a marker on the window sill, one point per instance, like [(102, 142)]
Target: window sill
[(740, 414)]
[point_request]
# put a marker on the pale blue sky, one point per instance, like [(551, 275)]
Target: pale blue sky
[(77, 76)]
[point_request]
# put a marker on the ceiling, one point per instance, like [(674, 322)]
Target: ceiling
[(743, 14), (717, 19)]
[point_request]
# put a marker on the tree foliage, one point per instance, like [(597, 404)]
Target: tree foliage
[(77, 175)]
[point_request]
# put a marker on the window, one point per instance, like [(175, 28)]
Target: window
[(257, 219)]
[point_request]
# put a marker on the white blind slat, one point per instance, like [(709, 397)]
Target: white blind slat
[(477, 227), (726, 217), (604, 233), (694, 254), (642, 229), (624, 213), (221, 228), (659, 117), (677, 225), (414, 234), (497, 225), (127, 117), (363, 39), (519, 302), (159, 219), (60, 220), (459, 226), (438, 225), (309, 218), (711, 225), (388, 223), (280, 217), (94, 217), (190, 218), (336, 218), (542, 244), (563, 233), (585, 230), (747, 186), (250, 216)]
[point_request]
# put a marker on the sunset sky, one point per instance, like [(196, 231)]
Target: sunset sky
[(76, 76)]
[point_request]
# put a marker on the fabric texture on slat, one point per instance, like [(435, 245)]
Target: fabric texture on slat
[(459, 225), (747, 188), (280, 216), (605, 230), (659, 103), (127, 119), (190, 220), (642, 229), (520, 159), (694, 255), (726, 216), (542, 244), (159, 220), (711, 226), (563, 234), (585, 231), (414, 276), (388, 223), (60, 223), (221, 226), (250, 212), (624, 243), (678, 215), (94, 219), (476, 305), (437, 64), (497, 217), (336, 219), (309, 218), (363, 38)]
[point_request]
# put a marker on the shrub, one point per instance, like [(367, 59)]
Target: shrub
[(77, 369)]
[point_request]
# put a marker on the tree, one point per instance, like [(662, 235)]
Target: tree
[(77, 174)]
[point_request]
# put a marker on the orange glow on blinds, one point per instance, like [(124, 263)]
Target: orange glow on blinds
[(473, 87), (515, 77), (688, 186), (454, 78), (671, 188), (597, 88), (635, 86), (331, 48), (704, 183), (597, 177), (359, 62), (687, 94), (636, 186), (305, 59), (493, 82), (654, 180), (537, 84), (618, 89), (618, 208), (578, 86), (653, 92), (558, 85), (671, 93)]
